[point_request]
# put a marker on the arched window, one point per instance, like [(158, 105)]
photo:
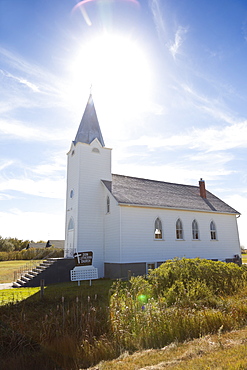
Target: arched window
[(179, 229), (195, 230), (71, 224), (157, 229), (107, 205), (213, 230), (95, 150)]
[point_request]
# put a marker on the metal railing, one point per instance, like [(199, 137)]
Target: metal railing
[(30, 265)]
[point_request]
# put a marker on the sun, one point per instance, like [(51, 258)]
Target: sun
[(117, 68)]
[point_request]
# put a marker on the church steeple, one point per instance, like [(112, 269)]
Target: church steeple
[(89, 128)]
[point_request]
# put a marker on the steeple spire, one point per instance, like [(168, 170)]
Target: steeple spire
[(89, 128)]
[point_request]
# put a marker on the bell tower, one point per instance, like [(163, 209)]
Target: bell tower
[(88, 162)]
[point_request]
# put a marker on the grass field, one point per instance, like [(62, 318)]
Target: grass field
[(74, 327), (16, 295), (8, 268), (244, 258)]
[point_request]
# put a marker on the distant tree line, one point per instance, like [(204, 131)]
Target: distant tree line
[(13, 244)]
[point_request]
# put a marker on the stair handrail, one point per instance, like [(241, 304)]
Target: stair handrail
[(30, 265)]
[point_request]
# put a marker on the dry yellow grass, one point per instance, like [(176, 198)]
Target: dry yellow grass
[(244, 258), (222, 351)]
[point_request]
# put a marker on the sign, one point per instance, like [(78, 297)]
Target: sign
[(83, 258)]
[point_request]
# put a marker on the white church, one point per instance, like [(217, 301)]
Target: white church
[(134, 224)]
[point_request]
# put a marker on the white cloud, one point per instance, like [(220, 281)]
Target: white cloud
[(175, 172), (213, 107), (17, 129), (44, 187), (178, 41), (5, 196), (207, 139), (155, 6), (5, 163), (55, 165), (23, 81), (32, 225)]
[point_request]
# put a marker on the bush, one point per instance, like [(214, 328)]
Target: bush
[(32, 254), (182, 299), (12, 244), (215, 277)]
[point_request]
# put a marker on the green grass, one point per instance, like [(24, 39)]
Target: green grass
[(74, 327), (8, 296), (8, 268)]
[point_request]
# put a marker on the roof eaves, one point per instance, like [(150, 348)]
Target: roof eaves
[(176, 208)]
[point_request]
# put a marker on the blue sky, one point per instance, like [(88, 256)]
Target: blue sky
[(169, 86)]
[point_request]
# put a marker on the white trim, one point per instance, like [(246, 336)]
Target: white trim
[(176, 209)]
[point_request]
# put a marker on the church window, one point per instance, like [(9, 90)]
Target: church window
[(71, 193), (179, 229), (71, 224), (107, 205), (213, 230), (95, 150), (158, 229), (73, 152), (195, 230)]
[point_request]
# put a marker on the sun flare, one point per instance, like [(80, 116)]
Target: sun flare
[(117, 68)]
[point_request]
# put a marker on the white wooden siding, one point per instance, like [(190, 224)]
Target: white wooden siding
[(112, 230), (86, 168), (139, 245)]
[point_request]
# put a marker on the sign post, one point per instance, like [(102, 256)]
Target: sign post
[(84, 269)]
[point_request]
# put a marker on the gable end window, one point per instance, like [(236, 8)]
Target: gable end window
[(95, 150), (179, 230), (195, 230), (213, 231), (157, 229), (107, 205)]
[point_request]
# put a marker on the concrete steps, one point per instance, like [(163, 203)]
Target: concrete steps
[(52, 271), (25, 279)]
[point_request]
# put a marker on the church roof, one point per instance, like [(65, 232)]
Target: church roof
[(89, 128), (142, 192)]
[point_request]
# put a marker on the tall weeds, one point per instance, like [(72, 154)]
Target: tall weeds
[(76, 327), (180, 300)]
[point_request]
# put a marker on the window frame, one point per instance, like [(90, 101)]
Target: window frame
[(179, 230), (71, 224), (195, 230), (158, 232), (213, 231)]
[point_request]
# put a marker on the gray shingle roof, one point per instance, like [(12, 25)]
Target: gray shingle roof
[(89, 128), (143, 192)]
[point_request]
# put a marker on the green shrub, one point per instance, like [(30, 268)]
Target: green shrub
[(182, 299), (216, 277)]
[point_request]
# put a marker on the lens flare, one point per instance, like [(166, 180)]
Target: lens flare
[(142, 298), (83, 2), (81, 6)]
